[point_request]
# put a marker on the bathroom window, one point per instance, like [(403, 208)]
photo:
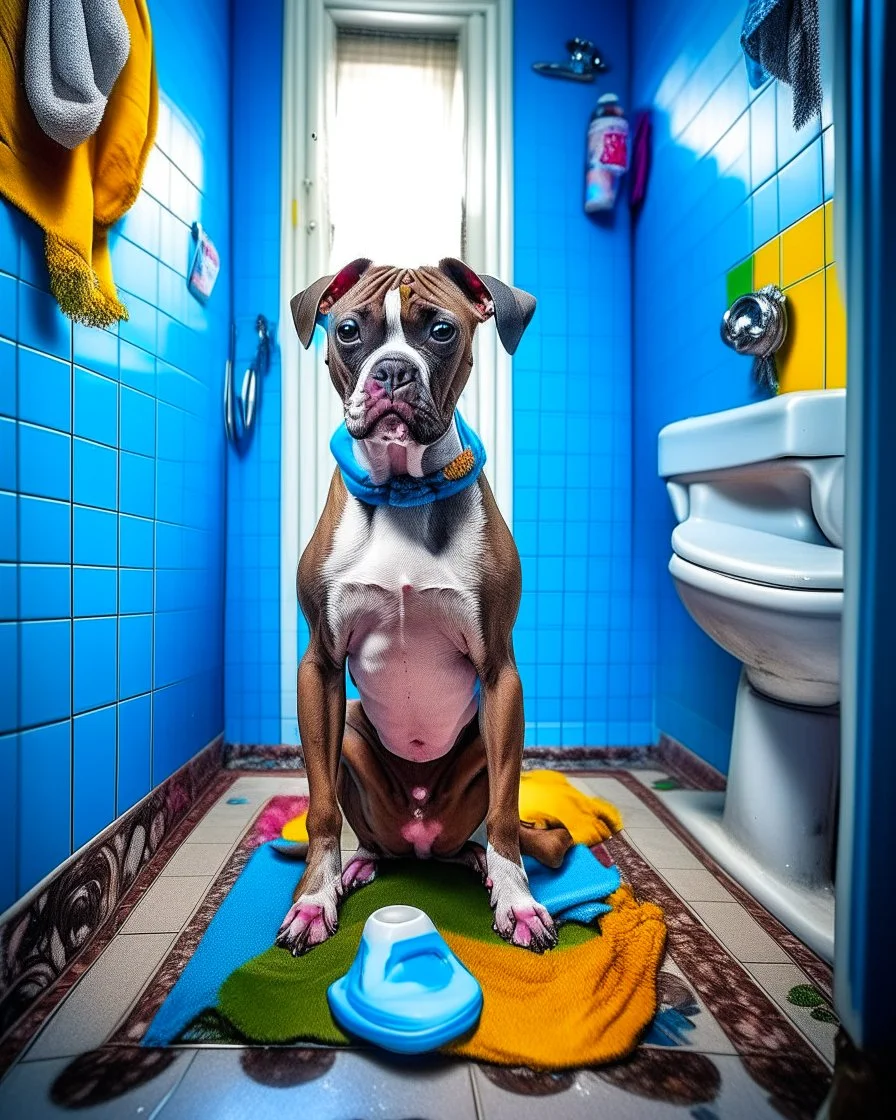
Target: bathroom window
[(396, 162)]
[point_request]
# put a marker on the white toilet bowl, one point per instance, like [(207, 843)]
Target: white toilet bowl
[(788, 640), (758, 564)]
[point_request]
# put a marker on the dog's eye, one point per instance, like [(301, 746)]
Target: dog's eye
[(348, 331), (442, 331)]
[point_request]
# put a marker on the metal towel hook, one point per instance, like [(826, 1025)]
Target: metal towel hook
[(583, 64), (757, 324), (240, 412)]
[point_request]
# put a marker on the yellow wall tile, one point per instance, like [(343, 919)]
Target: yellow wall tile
[(802, 248), (766, 264), (835, 319), (801, 358), (829, 232)]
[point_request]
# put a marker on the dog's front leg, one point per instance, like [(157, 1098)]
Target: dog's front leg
[(518, 917), (321, 694)]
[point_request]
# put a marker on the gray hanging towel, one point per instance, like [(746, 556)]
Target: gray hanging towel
[(74, 52), (780, 40)]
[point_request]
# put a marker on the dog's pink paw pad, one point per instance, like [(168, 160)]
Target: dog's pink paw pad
[(304, 926), (533, 929)]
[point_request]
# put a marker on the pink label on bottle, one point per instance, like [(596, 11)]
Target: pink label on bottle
[(614, 151)]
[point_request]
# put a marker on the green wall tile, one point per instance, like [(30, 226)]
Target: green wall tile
[(740, 280)]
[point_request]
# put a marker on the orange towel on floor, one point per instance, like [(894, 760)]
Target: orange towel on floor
[(571, 1007), (75, 196)]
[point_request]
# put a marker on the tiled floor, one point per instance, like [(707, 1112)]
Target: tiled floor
[(728, 1042)]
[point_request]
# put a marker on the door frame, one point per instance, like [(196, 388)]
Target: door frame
[(865, 115), (309, 408)]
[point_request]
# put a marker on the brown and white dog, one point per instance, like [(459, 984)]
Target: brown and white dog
[(420, 602)]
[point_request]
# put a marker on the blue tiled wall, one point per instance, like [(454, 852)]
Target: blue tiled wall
[(111, 490), (728, 172), (253, 480), (581, 640)]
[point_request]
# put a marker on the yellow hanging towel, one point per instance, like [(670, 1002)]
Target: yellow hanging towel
[(547, 796), (75, 196)]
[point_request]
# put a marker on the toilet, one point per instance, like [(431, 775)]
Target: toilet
[(757, 560)]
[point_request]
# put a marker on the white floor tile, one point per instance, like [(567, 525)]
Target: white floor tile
[(167, 904), (102, 996), (53, 1090), (738, 931)]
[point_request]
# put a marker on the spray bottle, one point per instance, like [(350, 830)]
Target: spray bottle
[(607, 155)]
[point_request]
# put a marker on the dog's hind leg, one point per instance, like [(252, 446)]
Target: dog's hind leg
[(471, 855), (548, 843), (360, 869)]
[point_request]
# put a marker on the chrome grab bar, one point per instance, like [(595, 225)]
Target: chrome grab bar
[(240, 410)]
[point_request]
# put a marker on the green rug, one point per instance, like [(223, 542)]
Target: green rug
[(276, 997)]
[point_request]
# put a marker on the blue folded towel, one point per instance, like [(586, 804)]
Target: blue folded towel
[(780, 39), (572, 892)]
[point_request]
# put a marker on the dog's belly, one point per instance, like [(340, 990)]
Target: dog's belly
[(403, 608), (414, 676)]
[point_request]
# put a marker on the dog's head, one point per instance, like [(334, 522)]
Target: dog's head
[(400, 341)]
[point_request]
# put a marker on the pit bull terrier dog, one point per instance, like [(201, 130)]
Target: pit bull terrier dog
[(413, 578)]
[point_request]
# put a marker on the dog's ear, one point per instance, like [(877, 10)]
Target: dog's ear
[(317, 299), (512, 307)]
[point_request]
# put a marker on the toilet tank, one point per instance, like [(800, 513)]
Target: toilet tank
[(775, 466)]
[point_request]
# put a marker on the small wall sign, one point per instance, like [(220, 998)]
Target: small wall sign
[(205, 265)]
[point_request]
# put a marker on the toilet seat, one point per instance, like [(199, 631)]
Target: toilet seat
[(762, 558), (748, 593)]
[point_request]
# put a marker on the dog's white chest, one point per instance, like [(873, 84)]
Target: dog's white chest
[(402, 604)]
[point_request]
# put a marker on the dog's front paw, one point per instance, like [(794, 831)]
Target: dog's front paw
[(310, 920), (519, 919), (529, 926), (359, 871)]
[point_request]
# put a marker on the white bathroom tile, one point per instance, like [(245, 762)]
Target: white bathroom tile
[(706, 1035), (662, 848), (270, 1084), (608, 788), (45, 1090), (696, 886), (214, 832), (91, 1010), (777, 980), (197, 859), (648, 777), (739, 932), (656, 1086), (167, 905)]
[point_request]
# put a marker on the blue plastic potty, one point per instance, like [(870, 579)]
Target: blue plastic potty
[(405, 991)]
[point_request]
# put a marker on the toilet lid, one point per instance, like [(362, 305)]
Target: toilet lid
[(759, 557)]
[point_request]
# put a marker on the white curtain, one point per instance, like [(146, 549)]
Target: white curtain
[(396, 163)]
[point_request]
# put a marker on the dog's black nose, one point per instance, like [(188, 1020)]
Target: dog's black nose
[(393, 373)]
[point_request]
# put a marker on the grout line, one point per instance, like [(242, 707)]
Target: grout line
[(478, 1103), (117, 776), (17, 842), (71, 581), (164, 1101)]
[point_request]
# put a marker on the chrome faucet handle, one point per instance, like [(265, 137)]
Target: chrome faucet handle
[(757, 324)]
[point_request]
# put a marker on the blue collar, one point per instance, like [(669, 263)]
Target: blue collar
[(403, 489)]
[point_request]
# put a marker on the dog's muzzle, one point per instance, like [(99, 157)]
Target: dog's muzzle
[(390, 375)]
